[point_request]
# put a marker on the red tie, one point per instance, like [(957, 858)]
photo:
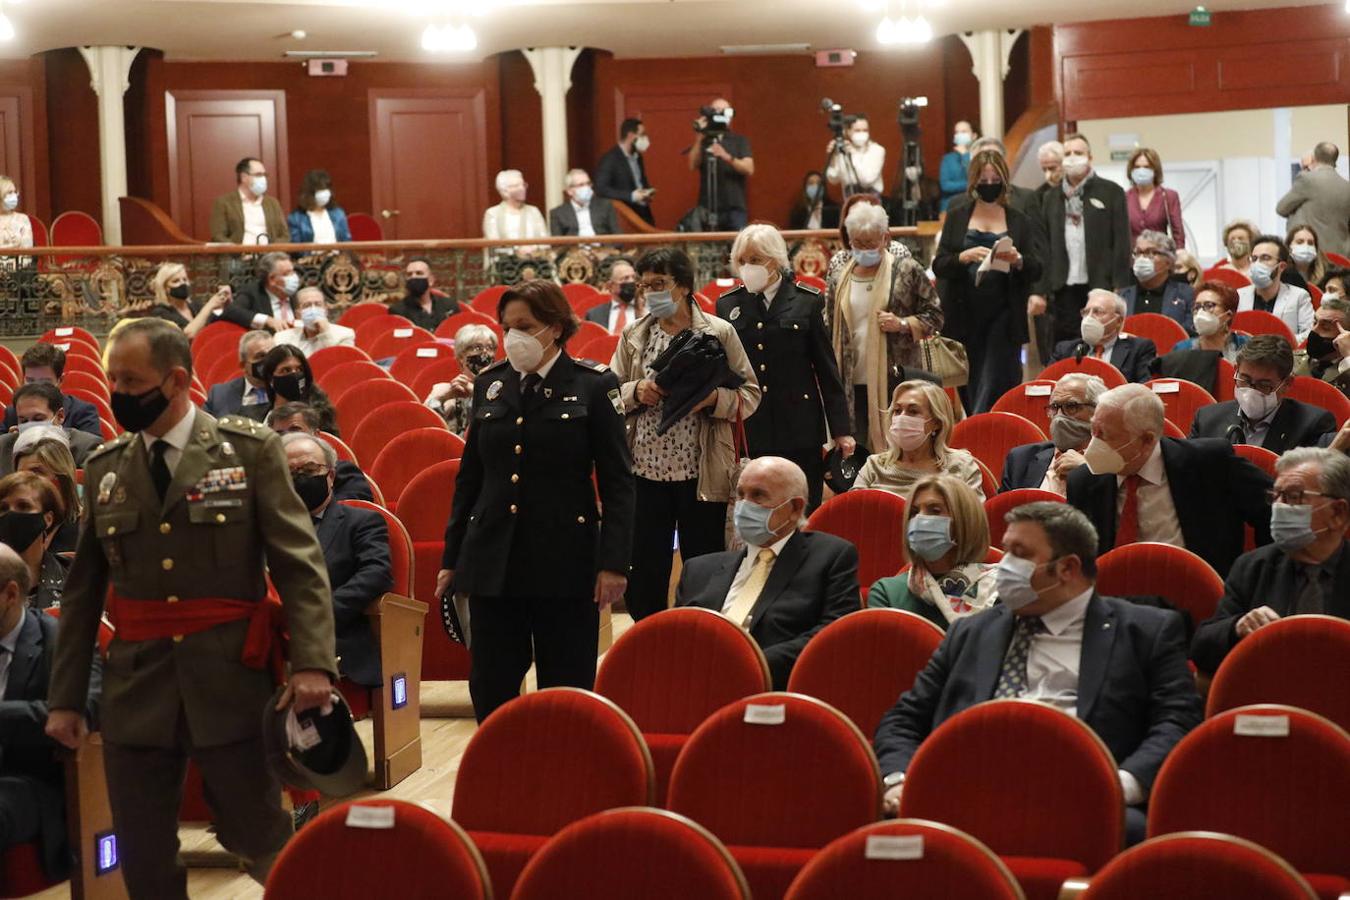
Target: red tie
[(1127, 531), (1098, 352), (622, 319), (286, 315)]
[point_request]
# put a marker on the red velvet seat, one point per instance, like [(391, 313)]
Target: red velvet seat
[(397, 340), (363, 398), (67, 334), (1319, 393), (990, 436), (999, 505), (1272, 774), (1181, 399), (1265, 461), (80, 348), (1301, 661), (329, 358), (425, 519), (417, 356), (84, 381), (365, 227), (629, 853), (1195, 864), (373, 327), (82, 364), (467, 315), (776, 792), (1027, 400), (719, 286), (581, 296), (860, 664), (387, 422), (1091, 365), (219, 369), (589, 331), (1051, 807), (1164, 331), (1223, 381), (342, 376), (95, 397), (814, 281), (415, 855), (600, 349), (443, 369), (1256, 321), (540, 763), (407, 454), (905, 858), (485, 301), (1173, 573), (671, 671), (874, 522), (21, 872), (216, 341), (360, 313)]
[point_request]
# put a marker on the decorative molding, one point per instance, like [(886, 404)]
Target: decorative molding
[(94, 58)]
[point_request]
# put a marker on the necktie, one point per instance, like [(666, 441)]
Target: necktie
[(1012, 678), (739, 611), (1310, 598), (530, 384), (1097, 353), (286, 315), (159, 469), (621, 319), (1127, 529)]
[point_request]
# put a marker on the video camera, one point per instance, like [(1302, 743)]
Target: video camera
[(838, 121), (711, 122), (909, 111)]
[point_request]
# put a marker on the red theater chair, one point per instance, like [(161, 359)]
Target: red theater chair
[(375, 326), (1164, 331), (990, 436), (1027, 400), (999, 505), (419, 356), (1319, 393), (393, 419), (485, 301), (1196, 863), (434, 488), (874, 522), (342, 376), (363, 398), (360, 313), (1256, 321), (1173, 573), (324, 361), (407, 454), (1181, 399), (600, 349), (395, 341), (1091, 365)]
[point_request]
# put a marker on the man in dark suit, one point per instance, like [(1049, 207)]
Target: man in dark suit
[(355, 546), (624, 304), (45, 362), (1262, 415), (229, 397), (269, 301), (423, 305), (1140, 486), (621, 174), (246, 215), (781, 324), (1118, 667), (1088, 229), (1101, 337), (1307, 569), (1154, 289), (786, 584), (41, 403), (1046, 464), (582, 212), (349, 483), (32, 801)]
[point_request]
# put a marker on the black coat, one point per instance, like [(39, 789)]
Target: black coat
[(355, 546), (562, 220), (1178, 297), (1106, 232), (1214, 490), (350, 483), (614, 181), (442, 307), (80, 416), (954, 281), (26, 752), (1025, 466), (789, 348), (1295, 424), (1264, 577), (813, 582), (252, 300), (1134, 688), (524, 521), (1132, 355)]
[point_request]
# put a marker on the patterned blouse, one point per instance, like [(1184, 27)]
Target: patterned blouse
[(672, 456)]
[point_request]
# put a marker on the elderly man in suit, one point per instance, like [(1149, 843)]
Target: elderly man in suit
[(1101, 337), (1140, 486), (621, 174), (1154, 289), (246, 215), (582, 212), (1320, 199), (32, 784), (624, 304), (1119, 667), (1305, 571), (40, 403), (268, 302), (229, 397), (785, 584), (1262, 414), (349, 482), (1046, 464)]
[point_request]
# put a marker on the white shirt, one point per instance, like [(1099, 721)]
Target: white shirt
[(614, 307), (772, 291), (255, 220), (583, 214), (1255, 432), (177, 438), (868, 163), (1107, 347), (9, 642), (1051, 481), (1075, 241), (860, 308), (748, 564), (287, 315), (323, 227), (333, 336), (1157, 512), (1293, 306)]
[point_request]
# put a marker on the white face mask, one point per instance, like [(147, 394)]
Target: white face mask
[(1144, 269), (322, 197), (756, 278), (1254, 404), (642, 143), (11, 201), (1206, 323), (860, 138), (1102, 458), (908, 432), (1092, 330), (1304, 253), (312, 314), (523, 349), (1012, 577), (258, 185), (1075, 163)]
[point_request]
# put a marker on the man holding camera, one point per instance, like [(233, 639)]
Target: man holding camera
[(723, 158)]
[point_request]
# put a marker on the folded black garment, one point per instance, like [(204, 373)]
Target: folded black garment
[(688, 370)]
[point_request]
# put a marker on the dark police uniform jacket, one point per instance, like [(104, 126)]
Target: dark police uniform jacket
[(791, 354), (524, 522)]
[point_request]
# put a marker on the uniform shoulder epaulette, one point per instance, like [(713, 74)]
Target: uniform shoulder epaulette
[(101, 449), (495, 366), (808, 288), (738, 289), (243, 425), (592, 365)]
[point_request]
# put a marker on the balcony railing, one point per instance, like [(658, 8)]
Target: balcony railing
[(92, 287)]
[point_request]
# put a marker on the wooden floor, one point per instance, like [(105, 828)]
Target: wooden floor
[(212, 874)]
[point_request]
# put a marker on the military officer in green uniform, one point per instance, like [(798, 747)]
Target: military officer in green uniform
[(183, 514)]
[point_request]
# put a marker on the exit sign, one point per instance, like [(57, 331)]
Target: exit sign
[(1199, 17)]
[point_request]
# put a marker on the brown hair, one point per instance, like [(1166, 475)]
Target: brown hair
[(547, 303), (46, 491), (1151, 157), (977, 164)]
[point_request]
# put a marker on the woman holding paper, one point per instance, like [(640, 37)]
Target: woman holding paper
[(987, 259)]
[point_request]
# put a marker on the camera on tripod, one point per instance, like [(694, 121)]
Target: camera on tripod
[(711, 122), (838, 122)]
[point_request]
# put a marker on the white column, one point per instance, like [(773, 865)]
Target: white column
[(553, 79), (989, 51), (109, 70)]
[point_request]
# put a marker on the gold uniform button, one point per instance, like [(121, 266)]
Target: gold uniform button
[(795, 327), (519, 449), (165, 528), (763, 388), (806, 396), (759, 324), (759, 346), (520, 420), (564, 415), (515, 479), (167, 565), (513, 509), (761, 367), (220, 518), (178, 639), (112, 529), (581, 520)]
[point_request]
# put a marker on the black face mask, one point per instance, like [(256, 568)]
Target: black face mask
[(418, 286), (313, 490), (989, 192), (18, 530), (256, 370), (180, 291), (137, 412), (478, 362), (628, 291), (291, 387), (1319, 347)]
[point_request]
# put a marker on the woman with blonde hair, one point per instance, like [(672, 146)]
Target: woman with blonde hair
[(1188, 268), (921, 424), (15, 228), (173, 300), (946, 541)]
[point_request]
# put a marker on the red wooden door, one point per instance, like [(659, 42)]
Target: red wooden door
[(428, 156), (209, 132), (17, 159), (668, 113)]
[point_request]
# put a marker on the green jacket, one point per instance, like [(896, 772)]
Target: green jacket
[(893, 593)]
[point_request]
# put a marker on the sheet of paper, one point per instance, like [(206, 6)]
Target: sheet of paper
[(991, 262)]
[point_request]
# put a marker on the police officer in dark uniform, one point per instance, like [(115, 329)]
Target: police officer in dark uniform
[(525, 540), (782, 325)]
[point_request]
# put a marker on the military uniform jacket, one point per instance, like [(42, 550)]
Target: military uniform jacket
[(789, 349), (229, 509), (524, 522)]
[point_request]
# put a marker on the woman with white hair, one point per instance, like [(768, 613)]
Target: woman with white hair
[(513, 218), (475, 349), (781, 324), (879, 306), (173, 300)]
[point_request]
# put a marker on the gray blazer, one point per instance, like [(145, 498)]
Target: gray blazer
[(1320, 199)]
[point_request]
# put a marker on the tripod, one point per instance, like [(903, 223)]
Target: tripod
[(850, 182), (712, 173)]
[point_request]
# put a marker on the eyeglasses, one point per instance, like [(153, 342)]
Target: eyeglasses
[(1068, 407), (1157, 254), (1269, 259), (1292, 496), (1265, 386), (1209, 306), (313, 469), (658, 286)]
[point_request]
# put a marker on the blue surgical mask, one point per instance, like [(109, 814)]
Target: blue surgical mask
[(1012, 577), (258, 185), (1263, 276), (11, 201), (813, 191), (582, 195), (961, 138), (1291, 526), (752, 522), (867, 258), (291, 284), (930, 537), (662, 305), (311, 314), (1142, 175), (1143, 266)]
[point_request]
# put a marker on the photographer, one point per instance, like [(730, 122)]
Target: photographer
[(722, 188), (857, 164)]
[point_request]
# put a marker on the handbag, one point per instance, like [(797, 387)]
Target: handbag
[(946, 358), (742, 447)]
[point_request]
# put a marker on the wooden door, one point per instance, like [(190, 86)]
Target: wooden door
[(668, 112), (428, 156), (209, 132), (18, 159)]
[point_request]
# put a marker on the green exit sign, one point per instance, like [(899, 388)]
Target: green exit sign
[(1199, 17)]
